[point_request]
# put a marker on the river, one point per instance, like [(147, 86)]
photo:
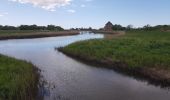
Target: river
[(65, 78)]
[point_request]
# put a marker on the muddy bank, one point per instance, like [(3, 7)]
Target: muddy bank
[(37, 35), (156, 76)]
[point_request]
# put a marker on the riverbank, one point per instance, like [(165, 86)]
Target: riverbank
[(138, 53), (4, 35), (18, 79)]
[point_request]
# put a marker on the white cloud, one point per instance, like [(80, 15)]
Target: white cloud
[(45, 4), (3, 14), (71, 11)]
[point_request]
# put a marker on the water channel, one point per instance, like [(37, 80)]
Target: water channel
[(68, 79)]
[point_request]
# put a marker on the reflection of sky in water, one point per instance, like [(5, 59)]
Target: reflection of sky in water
[(34, 45), (47, 42), (70, 79)]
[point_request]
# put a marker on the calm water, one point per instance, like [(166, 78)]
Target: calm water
[(68, 79)]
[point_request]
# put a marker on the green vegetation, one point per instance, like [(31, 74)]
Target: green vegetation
[(18, 79), (144, 54), (148, 27), (32, 27), (28, 30), (136, 49), (22, 32), (13, 32)]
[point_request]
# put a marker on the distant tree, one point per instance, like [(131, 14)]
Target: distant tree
[(163, 27), (31, 27), (41, 27), (90, 28), (58, 28), (129, 27), (147, 27), (8, 27), (51, 27), (72, 29), (118, 27), (24, 27), (155, 28), (1, 27), (101, 29)]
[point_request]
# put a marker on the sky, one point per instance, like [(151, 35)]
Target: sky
[(84, 13)]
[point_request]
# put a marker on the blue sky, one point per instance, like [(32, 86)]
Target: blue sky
[(84, 13)]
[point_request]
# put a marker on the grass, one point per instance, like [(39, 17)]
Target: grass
[(24, 34), (135, 49), (18, 79), (142, 54), (10, 32)]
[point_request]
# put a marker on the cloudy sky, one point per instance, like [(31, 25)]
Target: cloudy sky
[(84, 13)]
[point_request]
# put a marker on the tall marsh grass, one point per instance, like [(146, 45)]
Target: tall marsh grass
[(18, 79)]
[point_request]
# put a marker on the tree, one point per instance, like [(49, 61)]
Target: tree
[(118, 27), (147, 27), (59, 28), (1, 27), (8, 27), (31, 27), (129, 27), (90, 28), (51, 27)]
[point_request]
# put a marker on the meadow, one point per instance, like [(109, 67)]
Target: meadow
[(136, 50), (24, 34), (18, 79), (11, 32)]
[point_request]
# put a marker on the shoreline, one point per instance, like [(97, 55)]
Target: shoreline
[(157, 77), (37, 35)]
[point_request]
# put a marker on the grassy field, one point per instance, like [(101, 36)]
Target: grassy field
[(24, 34), (135, 50), (18, 79), (10, 32)]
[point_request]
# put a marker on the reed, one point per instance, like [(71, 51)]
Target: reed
[(18, 79)]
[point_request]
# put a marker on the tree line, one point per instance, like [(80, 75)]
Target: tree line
[(32, 27), (146, 27)]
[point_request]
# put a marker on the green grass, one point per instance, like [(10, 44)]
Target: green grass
[(15, 31), (135, 49), (18, 79), (20, 32)]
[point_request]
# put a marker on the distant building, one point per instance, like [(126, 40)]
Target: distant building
[(108, 26)]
